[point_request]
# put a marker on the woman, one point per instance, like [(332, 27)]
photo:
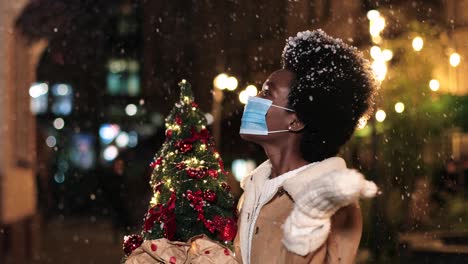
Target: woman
[(302, 204)]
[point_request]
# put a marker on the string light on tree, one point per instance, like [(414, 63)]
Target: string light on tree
[(188, 179)]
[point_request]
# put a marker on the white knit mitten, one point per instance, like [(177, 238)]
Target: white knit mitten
[(316, 200)]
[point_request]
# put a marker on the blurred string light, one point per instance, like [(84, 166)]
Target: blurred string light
[(39, 101), (434, 85), (380, 69), (38, 89), (107, 132), (59, 123), (375, 52), (376, 25), (122, 140), (232, 83), (59, 177), (399, 107), (250, 90), (223, 81), (387, 54), (110, 153), (418, 43), (380, 57), (209, 118), (380, 115), (220, 81), (51, 141), (132, 139), (131, 109), (455, 59), (241, 167)]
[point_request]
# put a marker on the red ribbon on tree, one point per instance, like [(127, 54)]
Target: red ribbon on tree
[(163, 214), (203, 135)]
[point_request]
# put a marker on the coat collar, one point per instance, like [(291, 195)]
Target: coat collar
[(260, 174)]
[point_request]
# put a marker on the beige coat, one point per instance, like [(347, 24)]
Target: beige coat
[(341, 241)]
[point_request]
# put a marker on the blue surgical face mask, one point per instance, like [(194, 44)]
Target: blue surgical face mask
[(254, 118)]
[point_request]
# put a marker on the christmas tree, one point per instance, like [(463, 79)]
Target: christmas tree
[(190, 193)]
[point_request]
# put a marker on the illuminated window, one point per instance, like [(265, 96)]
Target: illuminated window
[(123, 77)]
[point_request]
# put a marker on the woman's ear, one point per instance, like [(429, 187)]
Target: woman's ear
[(296, 125)]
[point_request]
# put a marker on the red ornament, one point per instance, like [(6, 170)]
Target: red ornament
[(213, 173), (229, 231), (169, 133), (194, 104), (157, 162), (210, 196), (184, 146), (154, 247), (131, 243), (209, 225), (196, 173), (178, 120)]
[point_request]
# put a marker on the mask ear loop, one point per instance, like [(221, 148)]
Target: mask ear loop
[(287, 109)]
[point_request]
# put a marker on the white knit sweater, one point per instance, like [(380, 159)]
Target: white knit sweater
[(318, 190)]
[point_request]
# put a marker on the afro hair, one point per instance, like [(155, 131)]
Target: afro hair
[(333, 88)]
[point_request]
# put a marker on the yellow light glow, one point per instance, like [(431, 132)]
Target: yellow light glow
[(376, 39), (376, 26), (418, 43), (434, 85), (216, 155), (251, 90), (380, 115), (231, 83), (203, 147), (455, 59), (243, 96), (387, 54), (375, 52), (380, 69), (362, 123), (373, 14), (220, 81), (399, 107)]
